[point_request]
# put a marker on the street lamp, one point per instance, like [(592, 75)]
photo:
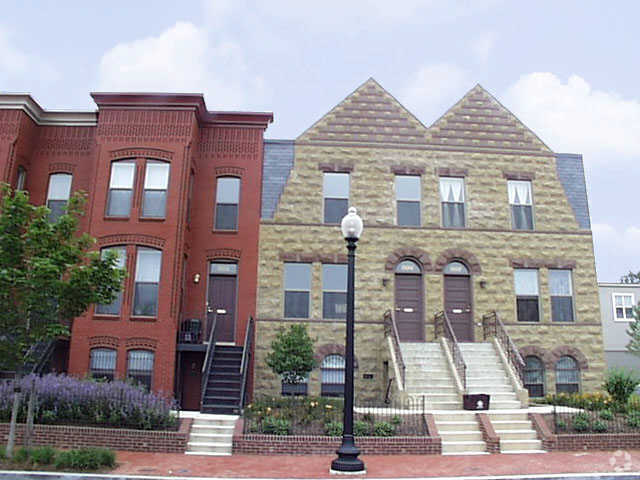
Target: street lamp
[(348, 461)]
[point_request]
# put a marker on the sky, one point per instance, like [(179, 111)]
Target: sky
[(569, 70)]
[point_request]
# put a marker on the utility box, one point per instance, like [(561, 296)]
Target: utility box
[(476, 401)]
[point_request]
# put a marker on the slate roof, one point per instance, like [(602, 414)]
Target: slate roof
[(571, 174), (277, 164), (369, 115)]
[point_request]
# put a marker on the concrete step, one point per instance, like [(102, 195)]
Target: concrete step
[(211, 437), (510, 424), (519, 445), (450, 426), (212, 429), (485, 388), (220, 448), (509, 417), (464, 447), (506, 404), (460, 435), (517, 434), (435, 405), (449, 390), (458, 416)]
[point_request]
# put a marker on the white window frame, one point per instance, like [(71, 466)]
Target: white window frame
[(285, 289), (613, 305), (326, 197), (463, 192), (401, 197), (532, 205)]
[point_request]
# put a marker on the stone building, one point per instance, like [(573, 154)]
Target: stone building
[(471, 215)]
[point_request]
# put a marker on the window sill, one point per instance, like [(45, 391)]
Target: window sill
[(572, 322), (225, 232), (138, 318), (529, 322), (623, 320), (106, 317), (152, 219), (116, 219)]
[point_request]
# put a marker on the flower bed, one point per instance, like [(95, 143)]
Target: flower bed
[(63, 400)]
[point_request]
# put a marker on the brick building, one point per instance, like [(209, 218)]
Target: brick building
[(175, 189), (470, 216)]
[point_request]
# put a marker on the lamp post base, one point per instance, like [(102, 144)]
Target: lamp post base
[(347, 461)]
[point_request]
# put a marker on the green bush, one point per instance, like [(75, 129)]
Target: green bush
[(606, 414), (561, 425), (396, 420), (85, 459), (361, 429), (633, 420), (599, 426), (21, 455), (276, 426), (580, 422), (43, 455), (3, 454), (333, 429), (383, 429), (620, 384)]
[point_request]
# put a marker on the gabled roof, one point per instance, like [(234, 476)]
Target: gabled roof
[(369, 115), (479, 122)]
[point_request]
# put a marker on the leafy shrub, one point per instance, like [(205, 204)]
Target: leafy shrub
[(581, 422), (3, 453), (292, 353), (361, 429), (396, 420), (588, 401), (21, 455), (383, 429), (633, 420), (561, 425), (333, 429), (43, 455), (599, 426), (276, 426), (85, 459), (620, 384), (68, 400), (606, 414)]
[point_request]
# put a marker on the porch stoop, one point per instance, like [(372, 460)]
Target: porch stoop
[(211, 435), (516, 432)]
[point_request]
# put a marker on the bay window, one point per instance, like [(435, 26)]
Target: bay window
[(156, 182), (147, 280), (58, 194), (121, 188)]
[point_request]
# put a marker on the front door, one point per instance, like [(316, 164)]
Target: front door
[(457, 301), (408, 308), (222, 300)]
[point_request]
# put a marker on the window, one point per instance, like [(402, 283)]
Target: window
[(121, 188), (452, 199), (227, 198), (567, 375), (114, 307), (534, 376), (156, 182), (148, 265), (526, 285), (21, 179), (521, 202), (140, 367), (408, 200), (336, 196), (623, 306), (334, 291), (332, 371), (103, 363), (58, 194), (297, 285), (300, 388), (561, 295)]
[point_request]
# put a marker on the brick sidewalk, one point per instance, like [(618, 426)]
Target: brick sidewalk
[(378, 466)]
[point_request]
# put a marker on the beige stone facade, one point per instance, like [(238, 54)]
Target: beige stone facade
[(372, 137)]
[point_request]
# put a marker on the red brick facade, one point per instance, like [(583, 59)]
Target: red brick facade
[(199, 147)]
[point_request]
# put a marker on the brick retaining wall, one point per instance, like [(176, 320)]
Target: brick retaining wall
[(66, 436)]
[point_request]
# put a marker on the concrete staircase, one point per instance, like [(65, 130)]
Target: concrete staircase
[(460, 433), (486, 374), (516, 432), (211, 435)]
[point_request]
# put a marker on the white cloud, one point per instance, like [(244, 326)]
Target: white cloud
[(183, 58), (572, 116), (433, 89), (482, 45), (617, 250), (12, 60)]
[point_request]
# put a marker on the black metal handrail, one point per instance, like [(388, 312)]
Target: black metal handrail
[(247, 353), (391, 329), (208, 358), (443, 329), (493, 326)]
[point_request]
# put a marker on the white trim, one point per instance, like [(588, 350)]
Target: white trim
[(26, 103), (613, 306)]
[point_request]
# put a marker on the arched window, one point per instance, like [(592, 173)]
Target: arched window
[(103, 363), (408, 267), (140, 367), (567, 375), (534, 376), (332, 370), (455, 268)]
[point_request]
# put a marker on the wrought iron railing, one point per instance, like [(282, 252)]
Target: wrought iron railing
[(208, 359), (443, 329), (247, 353), (492, 326), (391, 329)]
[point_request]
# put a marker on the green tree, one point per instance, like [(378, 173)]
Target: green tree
[(630, 277), (49, 274), (291, 354), (634, 332)]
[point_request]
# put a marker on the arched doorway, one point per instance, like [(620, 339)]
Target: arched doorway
[(458, 302), (408, 308)]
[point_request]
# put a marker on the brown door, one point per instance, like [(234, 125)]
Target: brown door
[(222, 306), (191, 371), (408, 309), (457, 304)]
